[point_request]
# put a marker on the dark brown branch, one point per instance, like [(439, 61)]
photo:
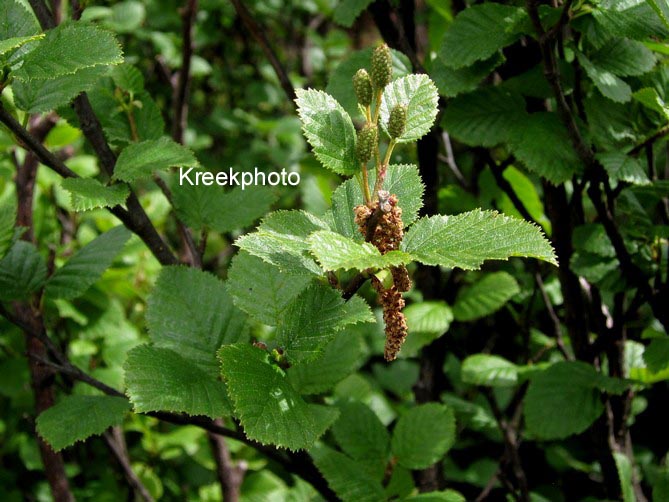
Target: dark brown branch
[(180, 101), (230, 475), (393, 31), (259, 34), (557, 328), (43, 14), (116, 444)]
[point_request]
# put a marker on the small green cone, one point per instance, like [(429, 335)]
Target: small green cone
[(362, 85), (364, 147), (397, 121), (382, 67)]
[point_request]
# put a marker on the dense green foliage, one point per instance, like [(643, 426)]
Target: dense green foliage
[(488, 192)]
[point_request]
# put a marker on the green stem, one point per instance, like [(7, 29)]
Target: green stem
[(365, 185), (381, 170)]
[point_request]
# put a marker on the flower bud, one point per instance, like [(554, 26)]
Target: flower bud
[(367, 138), (382, 67), (397, 121), (362, 85)]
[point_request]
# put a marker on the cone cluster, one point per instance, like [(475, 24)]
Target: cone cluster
[(386, 217)]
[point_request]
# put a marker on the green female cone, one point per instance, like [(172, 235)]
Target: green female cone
[(367, 138), (397, 121), (362, 85), (382, 67)]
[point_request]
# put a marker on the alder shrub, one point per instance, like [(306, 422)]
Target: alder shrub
[(371, 334)]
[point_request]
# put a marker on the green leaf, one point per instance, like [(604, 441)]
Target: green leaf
[(562, 400), (485, 297), (419, 94), (341, 357), (261, 289), (16, 20), (649, 98), (347, 11), (7, 222), (268, 407), (83, 269), (608, 84), (36, 96), (191, 312), (454, 81), (479, 32), (656, 355), (312, 319), (340, 81), (328, 129), (15, 42), (363, 437), (624, 57), (160, 379), (401, 180), (334, 251), (661, 9), (484, 117), (128, 78), (542, 143), (427, 321), (442, 496), (68, 48), (140, 160), (346, 477), (621, 167), (212, 207), (22, 271), (76, 418), (633, 19), (423, 435), (281, 239), (624, 468), (88, 193), (489, 370), (468, 239)]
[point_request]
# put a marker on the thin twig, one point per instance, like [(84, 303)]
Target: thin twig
[(259, 34), (183, 79), (449, 159), (114, 438), (230, 475), (557, 328)]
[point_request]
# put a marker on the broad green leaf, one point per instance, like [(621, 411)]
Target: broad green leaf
[(442, 496), (633, 19), (261, 289), (656, 355), (468, 239), (341, 357), (160, 379), (346, 477), (312, 319), (128, 78), (83, 269), (427, 321), (347, 11), (489, 370), (480, 31), (7, 222), (89, 193), (76, 418), (401, 180), (484, 117), (485, 297), (624, 468), (622, 167), (562, 400), (610, 85), (13, 43), (592, 238), (126, 17), (191, 312), (624, 57), (340, 84), (213, 207), (423, 435), (22, 271), (140, 160), (281, 240), (16, 20), (649, 98), (267, 406), (611, 125), (68, 48), (334, 251), (454, 81), (44, 95), (362, 436), (526, 190), (661, 9), (419, 94), (328, 129), (661, 485), (541, 142)]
